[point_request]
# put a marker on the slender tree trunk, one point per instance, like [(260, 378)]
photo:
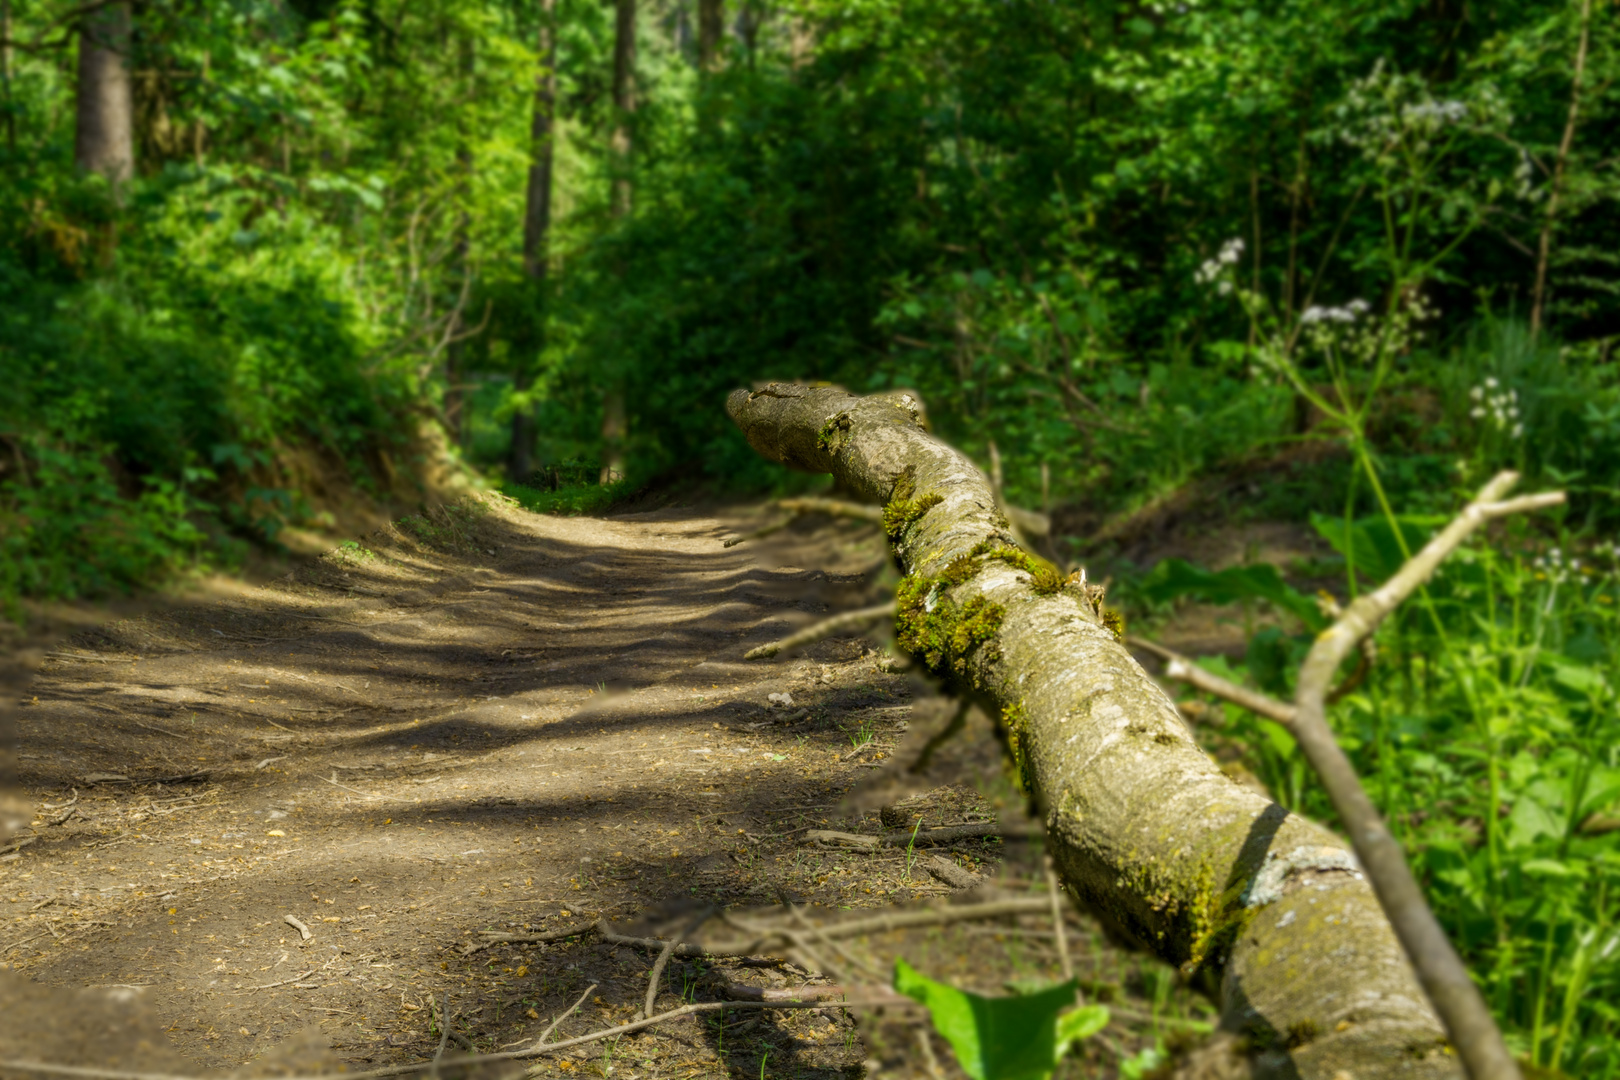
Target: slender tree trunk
[(104, 141), (711, 14), (624, 103), (614, 424), (455, 351), (1538, 296), (5, 75), (537, 227)]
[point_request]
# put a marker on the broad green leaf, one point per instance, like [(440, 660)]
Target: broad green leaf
[(1372, 545), (1176, 577), (1002, 1038)]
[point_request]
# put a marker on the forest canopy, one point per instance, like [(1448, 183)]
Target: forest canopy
[(1130, 243)]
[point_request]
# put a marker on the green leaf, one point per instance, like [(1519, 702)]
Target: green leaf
[(1176, 577), (1372, 545), (1080, 1025), (1547, 868), (1004, 1038)]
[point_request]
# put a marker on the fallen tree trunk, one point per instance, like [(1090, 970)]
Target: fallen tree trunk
[(1145, 831)]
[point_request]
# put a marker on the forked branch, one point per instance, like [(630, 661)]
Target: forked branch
[(1440, 970)]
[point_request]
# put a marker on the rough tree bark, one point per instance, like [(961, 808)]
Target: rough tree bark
[(710, 16), (537, 223), (455, 350), (620, 147), (104, 141), (1266, 907)]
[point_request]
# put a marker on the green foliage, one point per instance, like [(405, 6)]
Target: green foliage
[(1021, 1037), (1486, 732), (573, 500), (1177, 577)]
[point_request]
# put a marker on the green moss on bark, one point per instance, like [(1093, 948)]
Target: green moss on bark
[(827, 437), (1044, 578), (940, 633), (1012, 727)]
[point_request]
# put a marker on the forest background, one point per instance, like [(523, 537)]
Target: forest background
[(1334, 262)]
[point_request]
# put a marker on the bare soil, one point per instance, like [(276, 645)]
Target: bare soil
[(485, 719)]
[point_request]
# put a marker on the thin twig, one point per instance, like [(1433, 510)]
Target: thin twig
[(826, 628), (662, 962), (498, 937), (1184, 670), (444, 1033), (845, 954), (283, 982), (832, 508), (357, 791), (1457, 1000), (560, 1017), (1061, 935)]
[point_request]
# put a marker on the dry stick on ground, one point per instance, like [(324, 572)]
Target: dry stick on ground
[(1472, 1030), (560, 1017), (900, 920), (657, 972), (905, 837), (1144, 828), (832, 508), (826, 628), (500, 937), (837, 949), (797, 508)]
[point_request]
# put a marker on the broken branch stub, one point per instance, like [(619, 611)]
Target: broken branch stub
[(1144, 829)]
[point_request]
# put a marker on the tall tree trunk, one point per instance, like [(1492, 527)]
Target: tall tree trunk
[(455, 351), (614, 423), (537, 227), (105, 141), (5, 74), (711, 14), (624, 103)]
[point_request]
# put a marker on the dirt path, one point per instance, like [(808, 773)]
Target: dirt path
[(478, 721)]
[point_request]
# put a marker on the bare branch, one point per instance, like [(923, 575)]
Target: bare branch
[(1467, 1020), (560, 1017), (657, 972), (811, 504), (826, 628), (1184, 670)]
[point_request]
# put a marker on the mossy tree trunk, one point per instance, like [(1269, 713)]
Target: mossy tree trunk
[(1145, 830)]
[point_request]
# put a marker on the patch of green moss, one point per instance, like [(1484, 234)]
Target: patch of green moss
[(827, 437), (1044, 578), (940, 633), (1114, 620), (901, 509), (959, 570), (1012, 726)]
